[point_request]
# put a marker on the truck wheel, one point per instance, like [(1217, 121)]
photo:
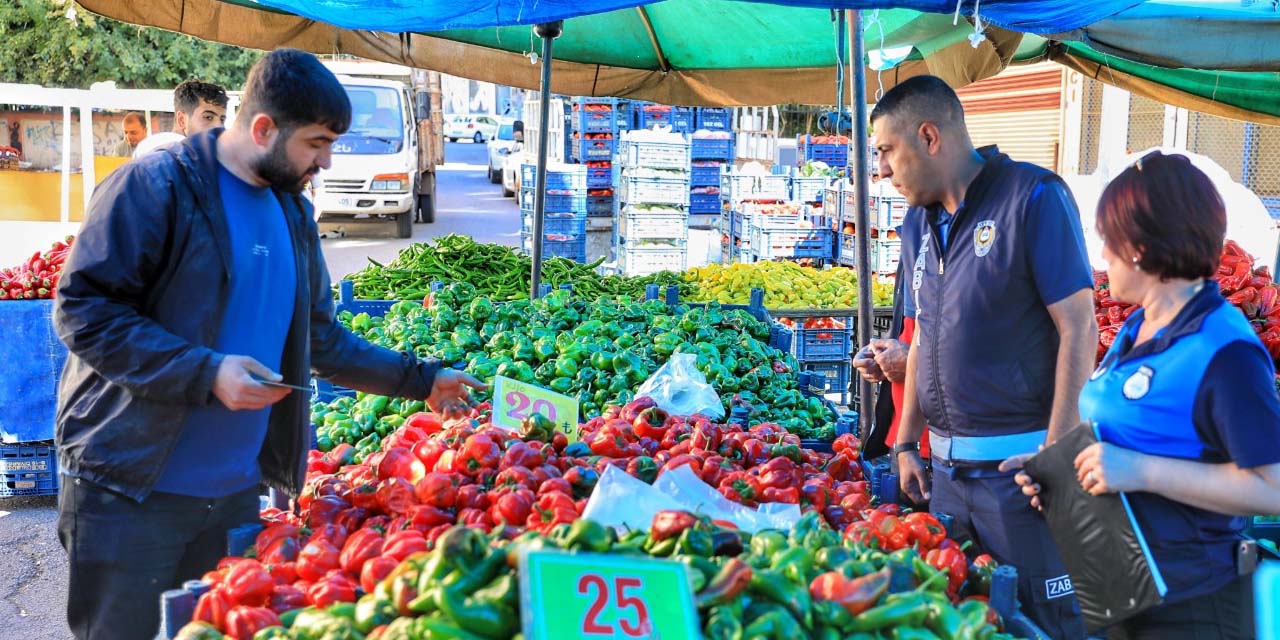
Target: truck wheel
[(426, 208), (404, 224), (478, 138)]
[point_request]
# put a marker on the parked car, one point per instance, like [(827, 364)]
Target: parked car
[(476, 128), (511, 170), (510, 132)]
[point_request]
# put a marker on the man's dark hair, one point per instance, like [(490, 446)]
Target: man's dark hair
[(921, 99), (188, 95), (296, 90), (134, 116)]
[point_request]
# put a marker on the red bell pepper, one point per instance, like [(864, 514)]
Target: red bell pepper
[(213, 606), (277, 543), (286, 597), (512, 508), (479, 452), (521, 454), (375, 570), (395, 495), (362, 546), (336, 586), (324, 510), (863, 533), (402, 544), (429, 423), (248, 583), (926, 531), (318, 558), (243, 622), (953, 561), (472, 496), (552, 509)]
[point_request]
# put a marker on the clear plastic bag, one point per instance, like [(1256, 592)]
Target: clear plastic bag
[(680, 389), (623, 502)]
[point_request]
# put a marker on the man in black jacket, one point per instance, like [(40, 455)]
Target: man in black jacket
[(198, 275)]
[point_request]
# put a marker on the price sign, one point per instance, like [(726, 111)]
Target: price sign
[(591, 595), (513, 401)]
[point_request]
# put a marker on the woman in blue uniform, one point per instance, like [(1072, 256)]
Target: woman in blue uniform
[(1184, 402)]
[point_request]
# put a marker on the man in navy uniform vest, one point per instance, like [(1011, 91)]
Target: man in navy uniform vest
[(998, 279)]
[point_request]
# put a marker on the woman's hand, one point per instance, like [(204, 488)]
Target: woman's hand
[(1105, 468), (1028, 484)]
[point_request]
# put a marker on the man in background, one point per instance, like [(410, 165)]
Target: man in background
[(135, 131), (197, 107)]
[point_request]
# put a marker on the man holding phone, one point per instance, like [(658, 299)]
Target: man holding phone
[(195, 302)]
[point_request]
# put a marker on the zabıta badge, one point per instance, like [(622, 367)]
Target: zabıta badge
[(983, 237), (1138, 384)]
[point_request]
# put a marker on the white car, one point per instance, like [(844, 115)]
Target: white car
[(474, 128), (511, 170), (500, 146)]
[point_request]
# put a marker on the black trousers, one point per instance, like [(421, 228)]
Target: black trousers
[(1226, 614), (124, 554)]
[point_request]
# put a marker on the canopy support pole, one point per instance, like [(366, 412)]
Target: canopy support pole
[(548, 31), (862, 171)]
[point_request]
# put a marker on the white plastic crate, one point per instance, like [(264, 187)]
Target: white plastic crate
[(661, 223), (808, 189), (645, 260), (654, 155), (644, 190), (885, 254), (738, 188), (768, 244)]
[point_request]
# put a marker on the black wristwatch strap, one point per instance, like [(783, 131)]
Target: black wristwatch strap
[(907, 446)]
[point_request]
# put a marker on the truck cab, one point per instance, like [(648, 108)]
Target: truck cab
[(375, 172)]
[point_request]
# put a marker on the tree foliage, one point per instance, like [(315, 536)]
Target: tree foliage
[(55, 43)]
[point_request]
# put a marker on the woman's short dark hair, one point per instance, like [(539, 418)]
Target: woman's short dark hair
[(296, 90), (1168, 213)]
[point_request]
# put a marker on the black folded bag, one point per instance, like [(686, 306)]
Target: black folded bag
[(1101, 544)]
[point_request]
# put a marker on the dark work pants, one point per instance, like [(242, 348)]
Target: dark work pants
[(124, 554), (990, 510), (1226, 614)]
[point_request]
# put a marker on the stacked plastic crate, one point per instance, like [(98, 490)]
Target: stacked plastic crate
[(833, 150), (652, 215), (597, 124), (822, 347), (564, 230), (887, 208), (711, 151), (647, 115)]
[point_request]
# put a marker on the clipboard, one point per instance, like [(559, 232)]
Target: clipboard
[(1105, 553)]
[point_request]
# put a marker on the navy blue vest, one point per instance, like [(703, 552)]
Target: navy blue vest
[(988, 347)]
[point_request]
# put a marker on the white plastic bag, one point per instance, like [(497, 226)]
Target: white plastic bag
[(621, 501), (680, 389)]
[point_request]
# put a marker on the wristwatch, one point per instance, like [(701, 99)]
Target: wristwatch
[(906, 446)]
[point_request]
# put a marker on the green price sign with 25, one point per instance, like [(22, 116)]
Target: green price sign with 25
[(590, 595)]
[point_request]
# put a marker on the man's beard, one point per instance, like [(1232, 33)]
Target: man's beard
[(274, 167)]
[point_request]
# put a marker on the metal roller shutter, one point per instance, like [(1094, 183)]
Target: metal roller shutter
[(1020, 110)]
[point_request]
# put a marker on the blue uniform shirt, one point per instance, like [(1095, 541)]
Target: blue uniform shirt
[(1202, 389), (217, 454), (979, 284)]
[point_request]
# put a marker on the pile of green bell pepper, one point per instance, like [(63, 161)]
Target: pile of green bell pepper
[(597, 351)]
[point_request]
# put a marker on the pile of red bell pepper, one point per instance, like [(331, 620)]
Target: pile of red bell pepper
[(1250, 289), (356, 522), (816, 323), (37, 278)]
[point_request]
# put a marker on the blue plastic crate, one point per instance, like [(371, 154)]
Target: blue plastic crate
[(835, 377), (572, 249), (28, 469), (780, 336), (649, 115), (597, 149), (822, 344), (704, 203), (557, 179), (682, 119), (832, 154), (714, 118), (570, 225), (705, 175), (600, 177), (600, 206), (556, 202), (712, 149), (325, 391), (595, 120)]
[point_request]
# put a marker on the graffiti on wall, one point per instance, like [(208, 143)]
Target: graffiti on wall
[(42, 143)]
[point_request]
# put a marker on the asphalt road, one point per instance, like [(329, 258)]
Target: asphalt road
[(33, 566), (469, 205)]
